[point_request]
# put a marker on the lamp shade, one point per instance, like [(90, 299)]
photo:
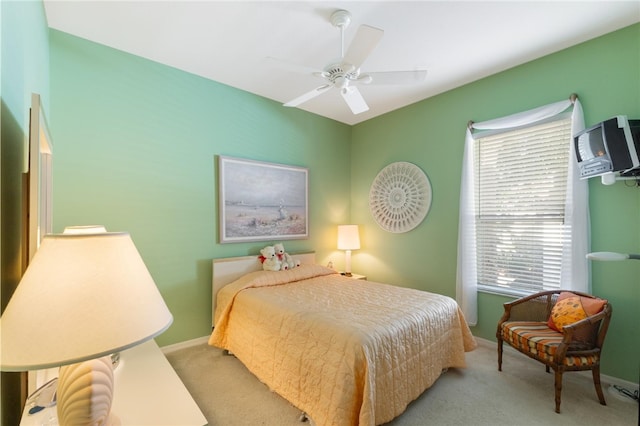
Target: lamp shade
[(83, 296), (348, 237)]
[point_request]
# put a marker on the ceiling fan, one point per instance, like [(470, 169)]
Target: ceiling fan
[(345, 74)]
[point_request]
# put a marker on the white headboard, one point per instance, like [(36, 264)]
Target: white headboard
[(229, 269)]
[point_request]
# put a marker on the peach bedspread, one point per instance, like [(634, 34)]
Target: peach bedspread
[(344, 351)]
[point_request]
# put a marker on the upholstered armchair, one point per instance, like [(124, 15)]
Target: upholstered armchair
[(563, 330)]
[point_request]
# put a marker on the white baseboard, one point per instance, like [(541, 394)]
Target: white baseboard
[(183, 345), (604, 379)]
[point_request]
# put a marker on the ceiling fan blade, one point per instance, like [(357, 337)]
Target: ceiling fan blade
[(307, 96), (397, 77), (364, 42), (354, 99)]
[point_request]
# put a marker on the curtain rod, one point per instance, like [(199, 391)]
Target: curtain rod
[(573, 98)]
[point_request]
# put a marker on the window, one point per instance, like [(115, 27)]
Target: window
[(524, 217), (521, 185)]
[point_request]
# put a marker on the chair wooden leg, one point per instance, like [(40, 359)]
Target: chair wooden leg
[(596, 381), (499, 354), (558, 386)]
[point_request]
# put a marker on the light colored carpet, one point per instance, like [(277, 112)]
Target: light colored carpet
[(522, 394)]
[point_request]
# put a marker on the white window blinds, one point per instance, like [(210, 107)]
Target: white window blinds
[(522, 228), (520, 186)]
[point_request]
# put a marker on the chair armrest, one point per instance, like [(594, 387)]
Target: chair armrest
[(583, 337), (581, 329), (585, 322)]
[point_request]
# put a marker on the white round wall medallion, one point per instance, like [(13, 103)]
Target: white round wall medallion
[(400, 197)]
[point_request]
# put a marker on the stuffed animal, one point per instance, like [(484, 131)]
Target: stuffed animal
[(288, 262), (269, 259)]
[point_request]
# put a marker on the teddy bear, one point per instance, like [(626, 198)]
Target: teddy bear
[(269, 259), (287, 261)]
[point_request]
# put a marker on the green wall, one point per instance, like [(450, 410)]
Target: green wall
[(135, 148), (24, 69), (605, 73)]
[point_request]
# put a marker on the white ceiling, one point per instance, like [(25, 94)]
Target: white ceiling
[(230, 41)]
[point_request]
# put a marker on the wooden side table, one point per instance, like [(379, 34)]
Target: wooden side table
[(356, 276)]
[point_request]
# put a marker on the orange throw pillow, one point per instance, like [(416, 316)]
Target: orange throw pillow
[(571, 308)]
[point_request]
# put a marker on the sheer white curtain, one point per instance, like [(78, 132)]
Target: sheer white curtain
[(575, 267)]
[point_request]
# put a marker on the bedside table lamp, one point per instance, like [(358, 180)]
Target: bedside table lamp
[(85, 295), (348, 239)]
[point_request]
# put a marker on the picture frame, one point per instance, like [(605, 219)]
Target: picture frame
[(261, 201), (37, 206), (37, 182)]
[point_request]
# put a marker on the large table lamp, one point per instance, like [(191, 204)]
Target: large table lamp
[(86, 295), (348, 239)]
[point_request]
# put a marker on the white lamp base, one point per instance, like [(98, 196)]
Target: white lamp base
[(85, 392), (347, 263)]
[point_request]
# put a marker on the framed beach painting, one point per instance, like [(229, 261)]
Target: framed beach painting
[(261, 201)]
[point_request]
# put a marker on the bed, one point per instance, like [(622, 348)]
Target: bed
[(344, 351)]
